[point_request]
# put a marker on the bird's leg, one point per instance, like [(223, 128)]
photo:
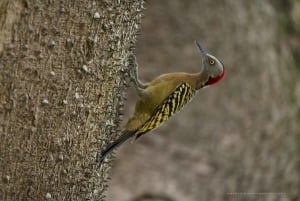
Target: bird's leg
[(133, 72)]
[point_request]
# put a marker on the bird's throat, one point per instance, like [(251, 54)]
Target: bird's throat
[(212, 81)]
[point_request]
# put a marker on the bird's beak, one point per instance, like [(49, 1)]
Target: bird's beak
[(202, 51)]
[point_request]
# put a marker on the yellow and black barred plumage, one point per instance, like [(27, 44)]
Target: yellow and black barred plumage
[(182, 94), (173, 103), (166, 94)]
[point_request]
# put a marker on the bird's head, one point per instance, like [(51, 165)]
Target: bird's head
[(213, 69)]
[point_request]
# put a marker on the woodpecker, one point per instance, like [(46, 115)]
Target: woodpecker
[(165, 95)]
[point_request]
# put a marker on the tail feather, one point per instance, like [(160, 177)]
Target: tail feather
[(125, 136)]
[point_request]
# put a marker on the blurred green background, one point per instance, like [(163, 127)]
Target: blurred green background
[(237, 140)]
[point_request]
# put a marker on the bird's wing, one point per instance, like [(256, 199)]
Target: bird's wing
[(169, 106)]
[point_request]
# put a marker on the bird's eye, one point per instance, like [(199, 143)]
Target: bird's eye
[(211, 62)]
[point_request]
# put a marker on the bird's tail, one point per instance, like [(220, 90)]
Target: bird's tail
[(125, 136)]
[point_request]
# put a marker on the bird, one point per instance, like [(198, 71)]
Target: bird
[(161, 98)]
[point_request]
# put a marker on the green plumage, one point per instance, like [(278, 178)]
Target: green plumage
[(156, 93), (166, 94), (171, 104), (174, 102)]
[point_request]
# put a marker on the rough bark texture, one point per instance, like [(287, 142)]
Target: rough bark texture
[(237, 140), (62, 70)]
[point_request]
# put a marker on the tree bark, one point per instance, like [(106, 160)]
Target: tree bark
[(62, 72)]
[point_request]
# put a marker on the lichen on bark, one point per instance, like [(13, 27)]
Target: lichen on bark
[(63, 70)]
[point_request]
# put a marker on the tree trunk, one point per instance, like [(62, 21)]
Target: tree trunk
[(62, 70)]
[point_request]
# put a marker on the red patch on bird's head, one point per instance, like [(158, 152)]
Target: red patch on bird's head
[(212, 81)]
